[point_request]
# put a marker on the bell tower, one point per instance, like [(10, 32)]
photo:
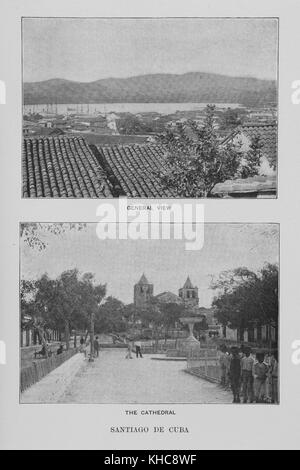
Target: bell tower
[(189, 294), (143, 292)]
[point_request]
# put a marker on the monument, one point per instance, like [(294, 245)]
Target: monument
[(190, 343)]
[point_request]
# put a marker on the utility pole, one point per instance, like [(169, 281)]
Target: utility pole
[(92, 334)]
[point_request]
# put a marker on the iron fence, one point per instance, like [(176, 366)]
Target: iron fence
[(42, 367)]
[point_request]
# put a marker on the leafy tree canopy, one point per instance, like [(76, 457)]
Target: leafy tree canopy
[(246, 298)]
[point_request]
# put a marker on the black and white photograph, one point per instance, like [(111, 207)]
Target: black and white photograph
[(120, 321), (149, 107)]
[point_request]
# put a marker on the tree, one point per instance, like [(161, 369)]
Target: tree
[(231, 118), (35, 299), (131, 125), (64, 303), (170, 315), (246, 298), (196, 159), (110, 317), (33, 234), (253, 158)]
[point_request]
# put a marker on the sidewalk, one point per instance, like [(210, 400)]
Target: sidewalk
[(52, 387)]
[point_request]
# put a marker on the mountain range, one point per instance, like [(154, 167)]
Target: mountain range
[(194, 87)]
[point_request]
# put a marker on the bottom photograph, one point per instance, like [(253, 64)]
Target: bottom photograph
[(149, 321)]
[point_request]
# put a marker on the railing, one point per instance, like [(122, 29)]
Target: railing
[(159, 348), (204, 363), (40, 368)]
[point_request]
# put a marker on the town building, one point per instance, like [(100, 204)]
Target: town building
[(187, 295), (264, 185), (143, 293)]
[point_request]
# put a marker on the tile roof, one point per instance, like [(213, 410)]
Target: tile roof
[(255, 184), (169, 297), (66, 166), (61, 167), (268, 134), (134, 167)]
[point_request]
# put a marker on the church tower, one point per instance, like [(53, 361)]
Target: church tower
[(143, 292), (189, 294)]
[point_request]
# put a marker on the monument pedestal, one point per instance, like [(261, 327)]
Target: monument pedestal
[(191, 343)]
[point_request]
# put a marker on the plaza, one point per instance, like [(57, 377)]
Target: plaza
[(113, 379)]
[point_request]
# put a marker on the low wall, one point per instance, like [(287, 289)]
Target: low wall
[(42, 367), (52, 387)]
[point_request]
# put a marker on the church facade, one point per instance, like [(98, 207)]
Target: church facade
[(144, 293)]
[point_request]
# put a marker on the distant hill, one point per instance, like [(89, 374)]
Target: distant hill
[(193, 87)]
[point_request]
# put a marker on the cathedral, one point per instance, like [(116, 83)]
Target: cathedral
[(187, 295)]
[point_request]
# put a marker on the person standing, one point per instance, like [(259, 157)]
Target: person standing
[(96, 346), (82, 344), (129, 349), (247, 364), (274, 378), (223, 365), (138, 349), (235, 374), (260, 373)]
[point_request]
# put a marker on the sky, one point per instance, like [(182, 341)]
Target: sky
[(166, 263), (90, 49)]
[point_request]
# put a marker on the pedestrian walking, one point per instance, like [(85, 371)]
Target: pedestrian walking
[(247, 364), (260, 373), (138, 349), (96, 346), (235, 374)]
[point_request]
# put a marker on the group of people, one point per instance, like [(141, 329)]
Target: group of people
[(84, 343), (252, 376), (134, 346)]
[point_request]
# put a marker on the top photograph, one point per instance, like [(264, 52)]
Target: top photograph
[(150, 107)]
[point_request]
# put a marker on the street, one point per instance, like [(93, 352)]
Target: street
[(113, 379)]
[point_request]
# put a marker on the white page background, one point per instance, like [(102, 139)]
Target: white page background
[(87, 426)]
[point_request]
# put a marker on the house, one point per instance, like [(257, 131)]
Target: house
[(258, 334), (100, 126), (29, 336), (45, 123), (267, 132), (263, 185)]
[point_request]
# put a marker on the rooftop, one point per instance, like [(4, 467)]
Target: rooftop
[(143, 280), (254, 184), (67, 166), (188, 284), (135, 168), (268, 134), (61, 167)]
